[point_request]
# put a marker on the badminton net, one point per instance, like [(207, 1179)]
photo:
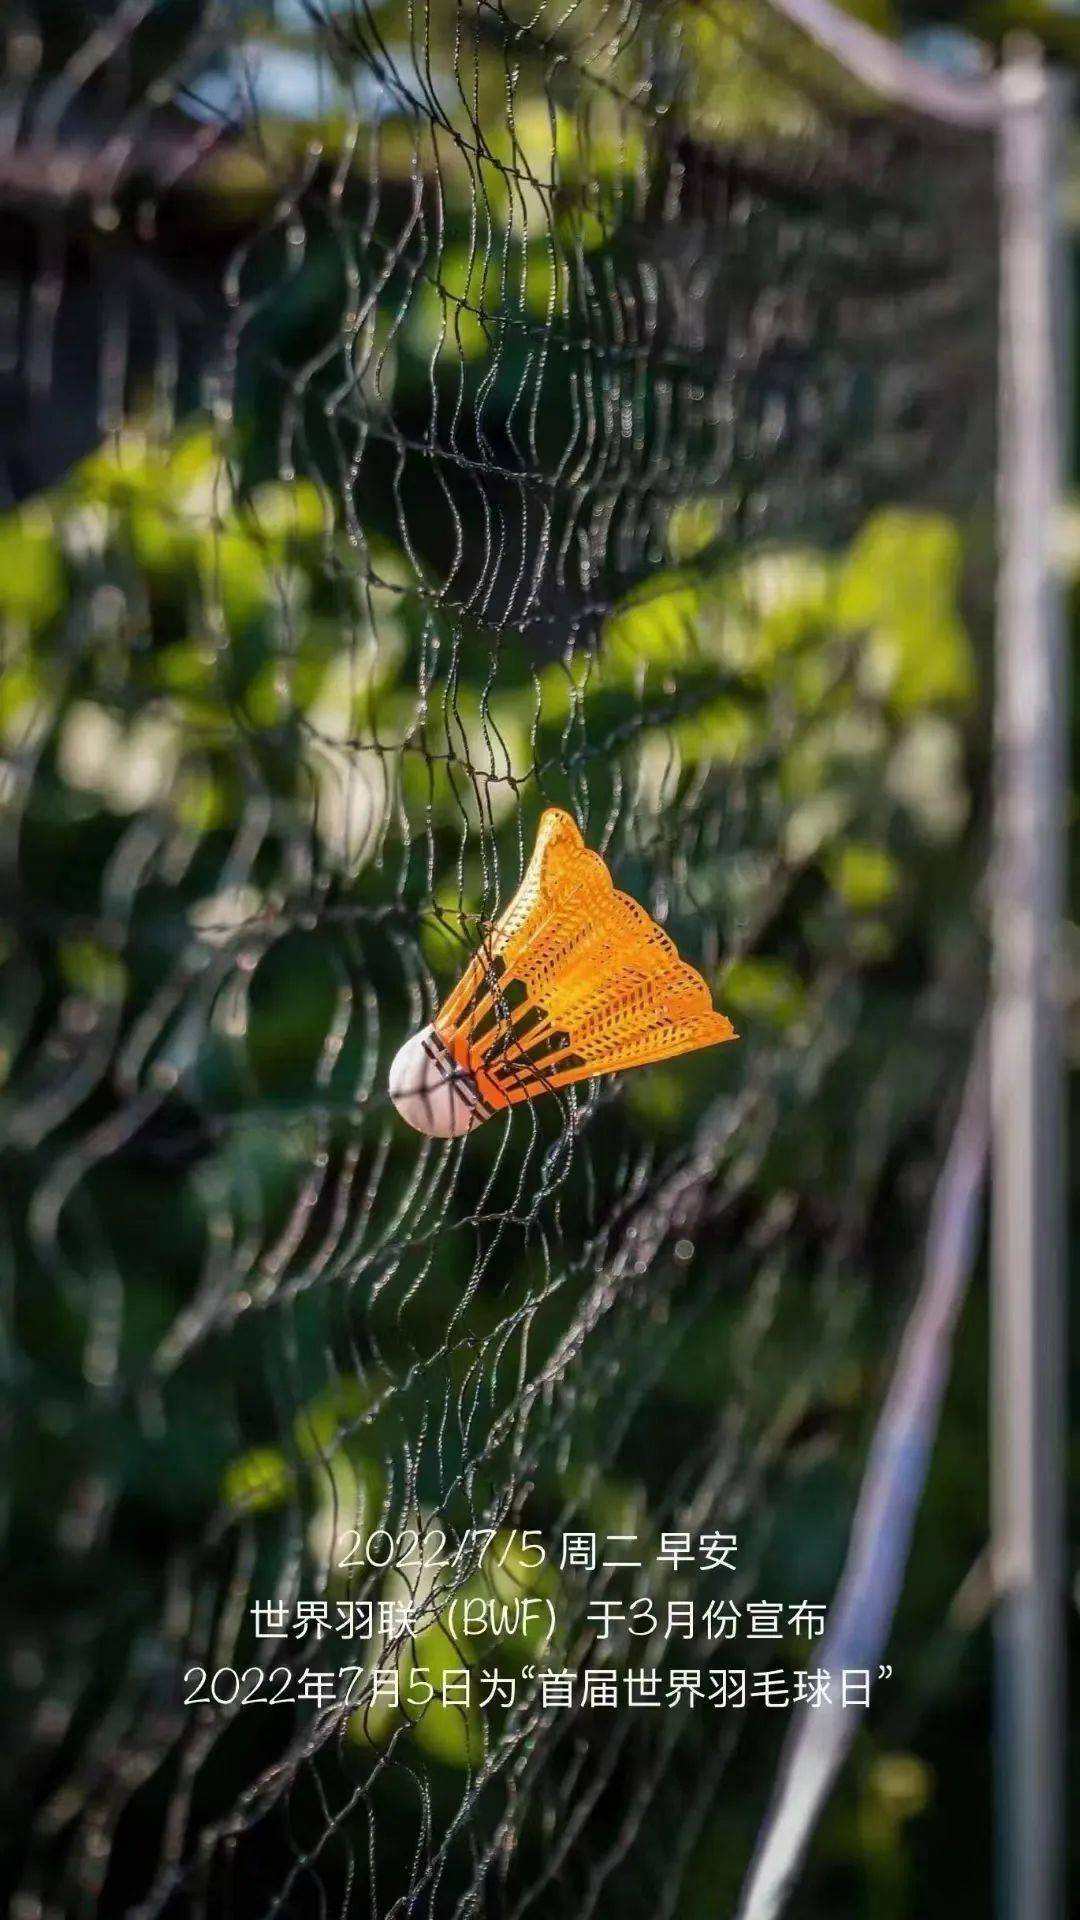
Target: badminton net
[(415, 416)]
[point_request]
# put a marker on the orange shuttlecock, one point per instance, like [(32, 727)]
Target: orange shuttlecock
[(574, 979)]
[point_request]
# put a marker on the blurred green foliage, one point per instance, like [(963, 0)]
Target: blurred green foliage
[(277, 762)]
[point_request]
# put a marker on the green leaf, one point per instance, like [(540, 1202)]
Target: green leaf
[(258, 1481), (32, 578), (898, 586), (763, 989), (657, 624), (454, 1736), (865, 877)]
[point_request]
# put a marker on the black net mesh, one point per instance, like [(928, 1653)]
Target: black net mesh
[(414, 416)]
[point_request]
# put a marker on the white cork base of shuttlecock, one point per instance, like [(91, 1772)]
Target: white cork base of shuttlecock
[(432, 1092)]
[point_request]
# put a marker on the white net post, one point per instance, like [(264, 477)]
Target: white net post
[(1028, 1162)]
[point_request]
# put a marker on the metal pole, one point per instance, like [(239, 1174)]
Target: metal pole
[(1028, 1203), (889, 72)]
